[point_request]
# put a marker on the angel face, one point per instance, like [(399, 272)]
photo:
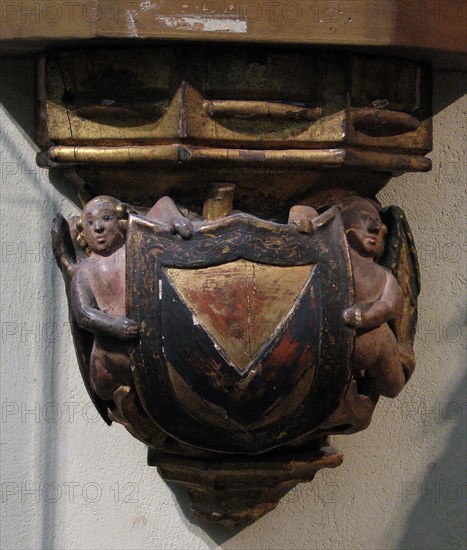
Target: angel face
[(101, 227), (364, 229)]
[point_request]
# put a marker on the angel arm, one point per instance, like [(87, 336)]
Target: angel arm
[(386, 308), (383, 310), (91, 319), (165, 211), (302, 217)]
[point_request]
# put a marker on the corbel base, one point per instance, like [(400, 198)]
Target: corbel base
[(232, 491)]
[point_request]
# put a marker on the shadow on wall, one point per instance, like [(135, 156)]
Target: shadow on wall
[(437, 519), (16, 86), (437, 522), (17, 96), (205, 530), (449, 87)]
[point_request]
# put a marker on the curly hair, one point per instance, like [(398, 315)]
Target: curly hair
[(120, 209), (349, 201)]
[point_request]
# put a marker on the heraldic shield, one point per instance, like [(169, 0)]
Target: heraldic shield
[(242, 346)]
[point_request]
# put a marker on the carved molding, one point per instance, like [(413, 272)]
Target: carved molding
[(141, 123)]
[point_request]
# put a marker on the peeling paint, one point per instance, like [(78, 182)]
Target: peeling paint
[(130, 23), (130, 14), (148, 5), (196, 23)]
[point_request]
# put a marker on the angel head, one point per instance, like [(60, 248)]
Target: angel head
[(102, 225), (363, 226)]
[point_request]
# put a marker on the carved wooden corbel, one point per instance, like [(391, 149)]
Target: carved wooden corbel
[(237, 295), (235, 326)]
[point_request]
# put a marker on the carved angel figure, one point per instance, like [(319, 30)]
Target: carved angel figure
[(384, 358), (90, 251), (98, 293), (386, 284)]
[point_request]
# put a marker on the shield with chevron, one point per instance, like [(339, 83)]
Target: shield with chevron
[(242, 341)]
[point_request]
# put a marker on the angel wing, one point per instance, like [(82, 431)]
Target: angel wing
[(68, 255), (400, 256)]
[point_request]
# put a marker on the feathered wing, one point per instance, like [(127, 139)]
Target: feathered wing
[(400, 257), (67, 256)]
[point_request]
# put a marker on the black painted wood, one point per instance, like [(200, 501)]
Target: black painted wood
[(166, 335)]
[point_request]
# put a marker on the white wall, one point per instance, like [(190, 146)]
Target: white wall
[(75, 483)]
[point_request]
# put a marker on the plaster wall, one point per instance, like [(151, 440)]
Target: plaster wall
[(69, 481)]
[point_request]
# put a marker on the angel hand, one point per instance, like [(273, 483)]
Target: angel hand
[(352, 316), (183, 227), (126, 329)]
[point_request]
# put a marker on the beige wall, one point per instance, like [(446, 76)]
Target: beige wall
[(69, 481)]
